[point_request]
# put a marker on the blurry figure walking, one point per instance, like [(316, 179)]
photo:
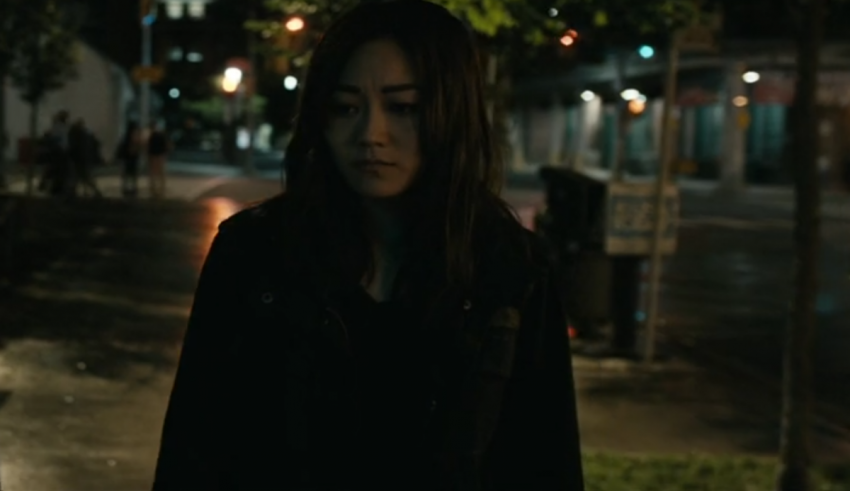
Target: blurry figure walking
[(128, 154), (81, 152), (159, 146), (57, 176)]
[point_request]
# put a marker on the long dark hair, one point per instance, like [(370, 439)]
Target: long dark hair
[(461, 166)]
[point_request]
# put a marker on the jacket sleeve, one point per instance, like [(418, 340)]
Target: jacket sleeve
[(188, 457), (536, 444)]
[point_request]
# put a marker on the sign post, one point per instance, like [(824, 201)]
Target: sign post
[(695, 38), (660, 217), (147, 14)]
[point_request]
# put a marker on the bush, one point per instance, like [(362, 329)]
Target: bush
[(619, 472)]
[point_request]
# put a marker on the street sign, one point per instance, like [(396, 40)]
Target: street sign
[(698, 38), (630, 218), (148, 73)]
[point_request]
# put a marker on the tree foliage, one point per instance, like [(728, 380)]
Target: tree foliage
[(520, 32), (45, 54)]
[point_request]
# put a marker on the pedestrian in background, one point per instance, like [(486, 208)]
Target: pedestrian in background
[(159, 146), (81, 153), (127, 154), (57, 176), (386, 324)]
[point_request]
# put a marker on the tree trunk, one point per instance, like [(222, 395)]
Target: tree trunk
[(4, 136), (794, 451), (33, 157)]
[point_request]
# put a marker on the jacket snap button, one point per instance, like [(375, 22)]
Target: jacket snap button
[(467, 305), (267, 297)]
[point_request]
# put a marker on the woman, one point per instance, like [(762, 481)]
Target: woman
[(387, 323)]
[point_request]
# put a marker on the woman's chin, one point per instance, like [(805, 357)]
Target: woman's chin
[(378, 190)]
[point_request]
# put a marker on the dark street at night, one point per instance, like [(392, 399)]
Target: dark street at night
[(674, 317)]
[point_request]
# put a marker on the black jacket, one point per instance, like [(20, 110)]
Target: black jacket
[(262, 392)]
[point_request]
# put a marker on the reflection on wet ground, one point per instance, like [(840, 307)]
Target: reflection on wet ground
[(91, 339), (727, 291)]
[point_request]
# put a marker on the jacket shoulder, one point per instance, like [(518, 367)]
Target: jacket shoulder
[(255, 217)]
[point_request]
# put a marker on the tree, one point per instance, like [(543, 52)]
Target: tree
[(794, 450), (45, 57), (11, 29)]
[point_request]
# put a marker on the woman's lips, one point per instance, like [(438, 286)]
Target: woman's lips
[(372, 163)]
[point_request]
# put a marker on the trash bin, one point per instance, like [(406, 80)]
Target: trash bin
[(603, 232)]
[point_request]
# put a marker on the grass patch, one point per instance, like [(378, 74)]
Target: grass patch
[(621, 472)]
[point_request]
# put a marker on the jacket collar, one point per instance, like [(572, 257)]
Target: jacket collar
[(510, 260)]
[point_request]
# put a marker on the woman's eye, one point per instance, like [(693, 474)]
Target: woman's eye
[(342, 109), (405, 108)]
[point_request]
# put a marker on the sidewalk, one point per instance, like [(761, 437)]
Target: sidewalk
[(91, 341), (185, 181)]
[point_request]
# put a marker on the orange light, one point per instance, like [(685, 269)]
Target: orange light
[(294, 24), (572, 33), (567, 41), (229, 85), (636, 106), (571, 331)]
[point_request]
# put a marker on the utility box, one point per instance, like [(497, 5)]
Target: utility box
[(603, 232), (611, 217)]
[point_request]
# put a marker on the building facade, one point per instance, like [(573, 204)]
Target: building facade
[(731, 117)]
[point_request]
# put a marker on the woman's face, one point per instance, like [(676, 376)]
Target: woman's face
[(372, 128)]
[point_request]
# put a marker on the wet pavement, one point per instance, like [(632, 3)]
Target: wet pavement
[(91, 338), (726, 292)]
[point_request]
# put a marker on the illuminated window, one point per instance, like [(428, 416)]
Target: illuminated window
[(175, 54), (197, 9), (174, 9)]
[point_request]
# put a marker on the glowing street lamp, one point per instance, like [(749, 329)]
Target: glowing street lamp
[(231, 80), (569, 38), (630, 94), (646, 52), (294, 24), (751, 77), (588, 96)]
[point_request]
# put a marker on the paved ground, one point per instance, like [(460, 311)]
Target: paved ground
[(725, 293), (90, 340)]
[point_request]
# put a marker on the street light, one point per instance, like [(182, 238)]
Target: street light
[(588, 96), (290, 82), (740, 101), (294, 24), (630, 94), (569, 38), (231, 80), (646, 52), (234, 74), (751, 77), (637, 106)]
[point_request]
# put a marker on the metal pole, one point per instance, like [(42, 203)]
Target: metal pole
[(145, 85), (659, 220), (250, 90)]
